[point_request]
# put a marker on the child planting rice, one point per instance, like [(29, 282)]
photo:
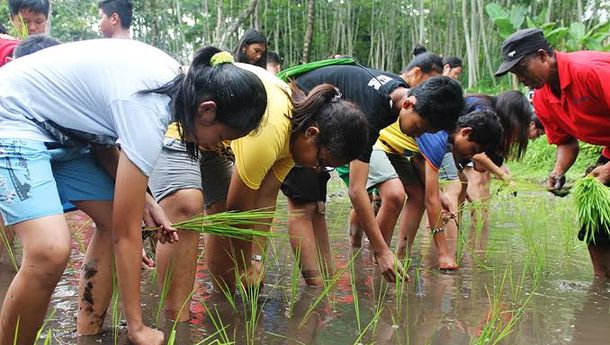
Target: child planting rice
[(62, 103)]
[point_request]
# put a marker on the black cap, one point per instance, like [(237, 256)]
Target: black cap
[(519, 45)]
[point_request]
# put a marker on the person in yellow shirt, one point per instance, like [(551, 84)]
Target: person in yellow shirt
[(296, 129)]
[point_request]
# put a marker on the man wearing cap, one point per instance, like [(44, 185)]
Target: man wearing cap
[(572, 100)]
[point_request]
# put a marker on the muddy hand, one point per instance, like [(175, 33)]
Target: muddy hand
[(555, 182), (390, 266), (602, 173)]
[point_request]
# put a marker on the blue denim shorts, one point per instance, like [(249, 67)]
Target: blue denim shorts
[(37, 179), (448, 170)]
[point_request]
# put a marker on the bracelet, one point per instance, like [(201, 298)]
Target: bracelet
[(434, 231), (257, 258)]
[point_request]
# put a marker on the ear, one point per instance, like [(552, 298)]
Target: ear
[(446, 69), (115, 19), (409, 102), (466, 132), (312, 132), (206, 112)]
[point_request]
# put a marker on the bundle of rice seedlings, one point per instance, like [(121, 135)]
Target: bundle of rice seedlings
[(234, 224), (593, 206)]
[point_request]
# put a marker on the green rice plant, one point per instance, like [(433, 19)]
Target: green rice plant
[(208, 340), (44, 324), (172, 337), (352, 280), (252, 311), (231, 224), (48, 338), (295, 277), (328, 286), (16, 335), (221, 328), (372, 323), (290, 340), (593, 205), (168, 277), (20, 30), (7, 246), (115, 300)]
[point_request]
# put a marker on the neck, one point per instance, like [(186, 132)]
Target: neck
[(398, 96), (124, 34), (554, 77)]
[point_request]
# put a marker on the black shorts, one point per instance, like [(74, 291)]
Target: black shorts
[(305, 185), (601, 236)]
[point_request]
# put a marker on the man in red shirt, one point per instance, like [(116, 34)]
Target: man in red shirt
[(7, 45), (572, 100)]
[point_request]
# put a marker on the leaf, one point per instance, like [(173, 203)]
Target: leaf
[(517, 16), (495, 11), (603, 28), (577, 31), (592, 44), (556, 36), (505, 27)]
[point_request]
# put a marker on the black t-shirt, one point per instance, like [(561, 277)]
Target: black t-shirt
[(369, 88)]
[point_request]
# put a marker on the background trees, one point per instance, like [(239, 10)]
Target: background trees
[(378, 33)]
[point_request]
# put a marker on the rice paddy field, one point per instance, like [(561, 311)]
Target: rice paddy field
[(528, 280)]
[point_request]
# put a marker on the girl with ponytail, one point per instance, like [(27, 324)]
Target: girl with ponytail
[(317, 130), (77, 112)]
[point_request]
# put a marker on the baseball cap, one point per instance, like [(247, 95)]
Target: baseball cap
[(519, 45)]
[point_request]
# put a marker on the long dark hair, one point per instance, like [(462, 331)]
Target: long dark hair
[(239, 95), (427, 62), (342, 124), (251, 37), (515, 113)]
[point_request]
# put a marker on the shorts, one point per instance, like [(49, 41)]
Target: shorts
[(37, 178), (404, 168), (601, 236), (380, 169), (175, 170), (305, 185), (448, 170)]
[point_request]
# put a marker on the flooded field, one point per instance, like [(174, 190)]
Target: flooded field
[(528, 281)]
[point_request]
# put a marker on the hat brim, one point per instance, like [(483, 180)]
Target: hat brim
[(507, 66)]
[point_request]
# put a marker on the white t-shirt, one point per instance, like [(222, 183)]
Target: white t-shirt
[(86, 92)]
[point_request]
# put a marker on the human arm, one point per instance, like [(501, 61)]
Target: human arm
[(602, 173), (566, 155), (481, 160), (387, 261), (128, 206)]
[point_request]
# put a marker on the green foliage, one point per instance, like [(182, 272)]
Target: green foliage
[(593, 205)]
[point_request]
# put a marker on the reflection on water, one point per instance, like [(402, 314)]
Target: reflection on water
[(567, 307)]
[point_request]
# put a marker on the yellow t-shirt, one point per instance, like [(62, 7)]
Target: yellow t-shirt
[(392, 140), (267, 148)]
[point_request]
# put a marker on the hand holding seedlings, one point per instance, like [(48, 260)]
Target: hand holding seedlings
[(155, 217), (390, 266), (602, 173)]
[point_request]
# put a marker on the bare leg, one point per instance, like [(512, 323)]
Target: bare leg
[(308, 233), (178, 261), (393, 198), (478, 192), (46, 250), (95, 282), (600, 258), (356, 232), (412, 214)]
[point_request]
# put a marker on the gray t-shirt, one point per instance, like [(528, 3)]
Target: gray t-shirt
[(86, 92)]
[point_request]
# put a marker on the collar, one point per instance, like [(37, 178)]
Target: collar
[(565, 79)]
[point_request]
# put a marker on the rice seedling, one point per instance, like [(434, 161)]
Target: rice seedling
[(328, 286), (593, 205), (295, 277), (231, 224), (355, 294), (250, 293), (48, 338), (286, 338), (16, 335), (172, 337), (8, 247), (115, 301), (167, 283), (44, 324)]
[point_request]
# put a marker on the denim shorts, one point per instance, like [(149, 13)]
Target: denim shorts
[(37, 178), (448, 170)]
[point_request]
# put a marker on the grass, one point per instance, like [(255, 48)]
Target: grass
[(8, 247), (167, 283), (593, 204)]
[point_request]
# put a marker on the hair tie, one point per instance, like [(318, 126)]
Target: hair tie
[(221, 58), (337, 97)]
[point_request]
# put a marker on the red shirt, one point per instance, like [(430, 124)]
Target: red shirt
[(583, 111), (7, 45)]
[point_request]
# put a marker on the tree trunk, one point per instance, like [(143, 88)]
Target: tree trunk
[(308, 30), (236, 23)]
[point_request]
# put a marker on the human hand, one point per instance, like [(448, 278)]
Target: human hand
[(555, 182), (390, 266), (155, 217), (147, 263), (602, 173)]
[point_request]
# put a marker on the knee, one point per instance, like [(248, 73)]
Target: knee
[(185, 211), (394, 199), (50, 259)]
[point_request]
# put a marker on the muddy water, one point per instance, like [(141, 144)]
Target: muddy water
[(531, 242)]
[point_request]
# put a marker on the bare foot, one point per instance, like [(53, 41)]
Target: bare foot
[(447, 263), (146, 336), (600, 258)]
